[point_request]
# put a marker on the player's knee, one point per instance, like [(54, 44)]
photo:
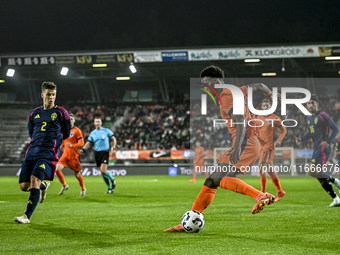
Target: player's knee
[(35, 182), (209, 182), (213, 180), (24, 186), (77, 174)]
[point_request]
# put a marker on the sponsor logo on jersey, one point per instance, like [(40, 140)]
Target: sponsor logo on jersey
[(316, 120), (37, 116), (53, 116), (42, 166)]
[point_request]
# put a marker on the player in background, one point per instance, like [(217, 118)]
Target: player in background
[(244, 151), (48, 125), (319, 124), (266, 138), (101, 139), (70, 158), (198, 161)]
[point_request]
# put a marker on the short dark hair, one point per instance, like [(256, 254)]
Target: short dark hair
[(212, 72), (267, 100), (315, 98), (48, 85)]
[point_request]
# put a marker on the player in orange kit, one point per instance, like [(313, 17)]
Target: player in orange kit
[(243, 153), (198, 161), (70, 158), (266, 137)]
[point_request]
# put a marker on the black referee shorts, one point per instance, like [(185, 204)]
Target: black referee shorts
[(101, 157)]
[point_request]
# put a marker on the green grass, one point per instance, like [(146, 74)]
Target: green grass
[(132, 220)]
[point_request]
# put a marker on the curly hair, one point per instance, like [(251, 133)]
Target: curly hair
[(212, 72)]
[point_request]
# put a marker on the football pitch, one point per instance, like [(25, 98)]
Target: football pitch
[(132, 220)]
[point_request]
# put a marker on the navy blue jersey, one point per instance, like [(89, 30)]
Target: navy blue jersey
[(47, 129), (318, 129)]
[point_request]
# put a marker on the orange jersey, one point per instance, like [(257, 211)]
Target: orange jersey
[(227, 108), (267, 131), (199, 152), (76, 139)]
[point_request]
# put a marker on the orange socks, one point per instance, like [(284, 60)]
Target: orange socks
[(204, 199), (277, 184), (238, 186), (81, 182), (275, 180), (263, 177), (61, 178)]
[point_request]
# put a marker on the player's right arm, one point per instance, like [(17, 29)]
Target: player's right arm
[(240, 133), (305, 137), (260, 87)]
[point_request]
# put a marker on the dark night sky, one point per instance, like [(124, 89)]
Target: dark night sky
[(73, 25)]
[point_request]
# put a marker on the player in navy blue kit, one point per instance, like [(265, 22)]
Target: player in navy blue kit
[(48, 125), (101, 139), (319, 124)]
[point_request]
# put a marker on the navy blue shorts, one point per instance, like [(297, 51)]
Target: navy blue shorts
[(320, 158), (44, 169)]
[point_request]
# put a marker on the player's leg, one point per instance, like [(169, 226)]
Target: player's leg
[(102, 159), (194, 176), (25, 185), (224, 177), (275, 179), (25, 175), (36, 178), (325, 181), (109, 180), (250, 151), (76, 167), (263, 168), (60, 166)]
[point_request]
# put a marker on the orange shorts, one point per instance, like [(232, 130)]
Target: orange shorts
[(250, 151), (267, 155), (72, 163)]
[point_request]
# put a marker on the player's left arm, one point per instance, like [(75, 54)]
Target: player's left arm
[(80, 140), (30, 128), (113, 142), (335, 131), (65, 124)]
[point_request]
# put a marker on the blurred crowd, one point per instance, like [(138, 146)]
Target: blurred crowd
[(139, 126)]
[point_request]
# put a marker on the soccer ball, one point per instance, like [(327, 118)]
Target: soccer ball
[(193, 221)]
